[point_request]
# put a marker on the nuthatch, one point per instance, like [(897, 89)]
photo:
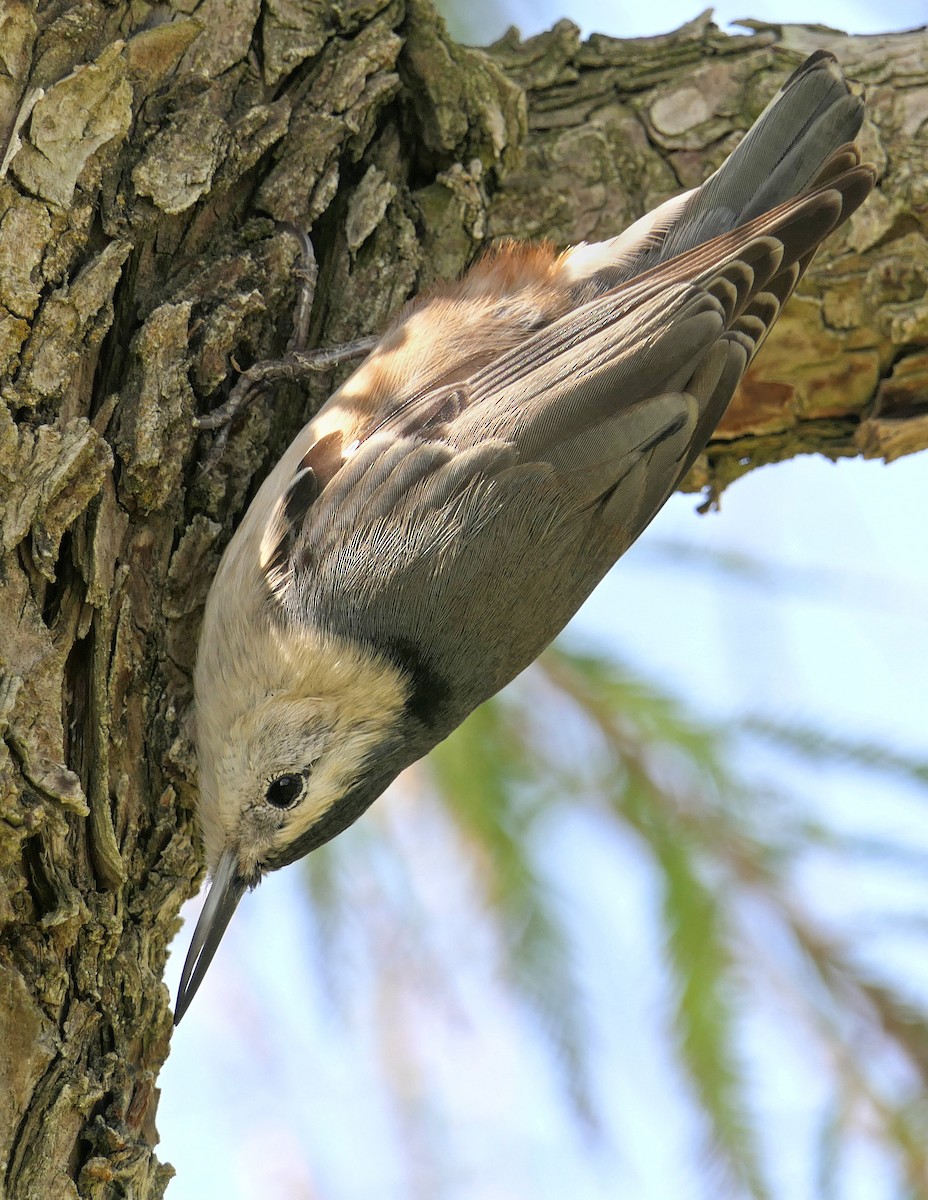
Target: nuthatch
[(450, 507)]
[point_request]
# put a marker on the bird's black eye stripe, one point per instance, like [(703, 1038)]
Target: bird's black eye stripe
[(284, 791)]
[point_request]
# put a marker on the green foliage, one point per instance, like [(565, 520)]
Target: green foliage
[(819, 746), (578, 734), (656, 760)]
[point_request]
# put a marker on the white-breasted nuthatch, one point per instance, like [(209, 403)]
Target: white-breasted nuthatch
[(447, 511)]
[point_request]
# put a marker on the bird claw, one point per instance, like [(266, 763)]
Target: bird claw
[(297, 364)]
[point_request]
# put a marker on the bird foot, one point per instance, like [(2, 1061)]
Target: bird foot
[(297, 364)]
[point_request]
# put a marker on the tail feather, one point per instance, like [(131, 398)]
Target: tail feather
[(813, 114), (802, 141)]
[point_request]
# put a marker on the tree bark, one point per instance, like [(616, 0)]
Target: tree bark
[(146, 167)]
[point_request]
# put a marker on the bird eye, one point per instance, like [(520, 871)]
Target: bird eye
[(284, 791)]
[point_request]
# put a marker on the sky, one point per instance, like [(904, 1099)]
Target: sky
[(274, 1086), (482, 21)]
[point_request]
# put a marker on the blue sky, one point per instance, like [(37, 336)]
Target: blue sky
[(273, 1088)]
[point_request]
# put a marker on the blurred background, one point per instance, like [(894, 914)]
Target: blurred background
[(653, 923)]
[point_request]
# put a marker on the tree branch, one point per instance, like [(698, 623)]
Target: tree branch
[(145, 171)]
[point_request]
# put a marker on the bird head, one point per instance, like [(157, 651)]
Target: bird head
[(297, 734)]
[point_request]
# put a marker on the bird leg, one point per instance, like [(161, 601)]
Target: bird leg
[(296, 365)]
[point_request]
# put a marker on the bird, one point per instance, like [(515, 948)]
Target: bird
[(445, 513)]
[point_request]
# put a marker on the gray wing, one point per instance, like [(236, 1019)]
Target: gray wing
[(460, 537)]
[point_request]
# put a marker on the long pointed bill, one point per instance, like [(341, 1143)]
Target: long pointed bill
[(226, 889)]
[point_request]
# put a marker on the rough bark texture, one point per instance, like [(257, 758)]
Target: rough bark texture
[(147, 152)]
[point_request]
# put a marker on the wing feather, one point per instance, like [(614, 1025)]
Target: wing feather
[(514, 488)]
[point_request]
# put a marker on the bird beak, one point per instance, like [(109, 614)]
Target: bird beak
[(226, 889)]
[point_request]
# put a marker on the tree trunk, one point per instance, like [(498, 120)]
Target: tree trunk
[(141, 264)]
